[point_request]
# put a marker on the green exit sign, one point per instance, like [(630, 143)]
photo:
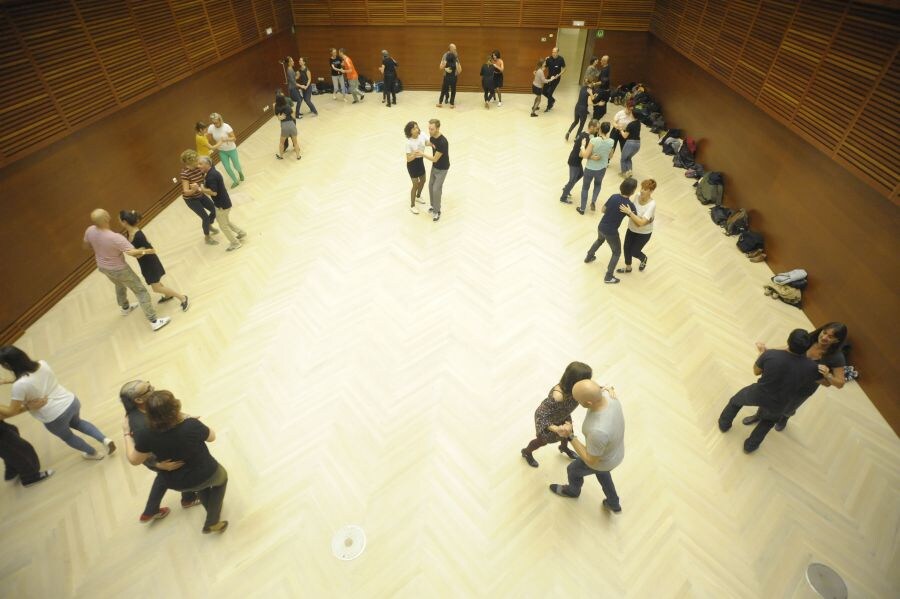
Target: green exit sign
[(600, 33)]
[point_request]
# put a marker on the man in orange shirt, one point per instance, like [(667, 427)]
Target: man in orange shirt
[(351, 75)]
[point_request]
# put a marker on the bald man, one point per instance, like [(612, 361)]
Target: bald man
[(109, 252), (452, 67), (604, 442), (556, 66), (604, 72)]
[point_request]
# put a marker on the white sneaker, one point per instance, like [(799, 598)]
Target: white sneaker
[(159, 323), (211, 241), (413, 209), (127, 311), (499, 104), (233, 246), (94, 456)]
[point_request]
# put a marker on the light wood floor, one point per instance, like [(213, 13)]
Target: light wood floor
[(362, 365)]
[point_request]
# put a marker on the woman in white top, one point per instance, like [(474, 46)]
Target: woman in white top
[(221, 137), (36, 390), (620, 121), (640, 226), (415, 165)]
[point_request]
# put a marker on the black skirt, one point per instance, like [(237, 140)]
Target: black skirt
[(416, 168), (498, 80), (151, 268)]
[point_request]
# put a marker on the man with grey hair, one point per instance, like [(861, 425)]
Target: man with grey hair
[(214, 187), (604, 72), (452, 67), (109, 249), (604, 442)]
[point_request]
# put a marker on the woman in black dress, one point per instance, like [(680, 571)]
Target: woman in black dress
[(174, 436), (556, 409), (151, 268), (498, 75), (487, 80)]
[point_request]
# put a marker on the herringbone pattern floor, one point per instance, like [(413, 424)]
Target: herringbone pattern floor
[(364, 365)]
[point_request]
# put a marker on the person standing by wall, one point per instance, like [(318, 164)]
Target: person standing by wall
[(352, 76), (109, 248), (597, 154), (556, 410), (608, 229), (202, 206), (556, 66), (640, 226), (783, 374), (826, 352), (337, 75), (604, 442), (416, 142), (452, 68), (214, 186), (221, 135), (305, 84), (36, 390), (388, 68), (440, 158), (488, 79), (498, 65), (151, 266)]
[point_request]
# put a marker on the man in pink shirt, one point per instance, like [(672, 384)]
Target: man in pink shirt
[(109, 248)]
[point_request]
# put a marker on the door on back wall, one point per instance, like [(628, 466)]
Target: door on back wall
[(571, 42)]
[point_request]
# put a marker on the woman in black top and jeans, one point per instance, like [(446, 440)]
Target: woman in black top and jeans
[(389, 69), (151, 267), (174, 436), (305, 85), (581, 108)]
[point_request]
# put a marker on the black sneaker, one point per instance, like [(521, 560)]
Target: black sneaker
[(750, 420), (530, 459), (437, 217), (565, 200), (749, 447), (610, 280), (643, 264), (559, 490), (589, 259), (608, 506), (185, 304), (42, 476), (580, 210)]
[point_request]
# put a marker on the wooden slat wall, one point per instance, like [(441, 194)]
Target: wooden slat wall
[(804, 63), (620, 15), (67, 63)]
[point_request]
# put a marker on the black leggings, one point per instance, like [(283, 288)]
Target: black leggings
[(634, 243), (389, 91), (18, 455), (580, 119), (488, 92), (204, 208), (448, 89)]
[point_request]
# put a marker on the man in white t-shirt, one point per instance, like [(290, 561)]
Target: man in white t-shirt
[(221, 137), (604, 445)]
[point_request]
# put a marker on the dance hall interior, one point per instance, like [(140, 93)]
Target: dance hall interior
[(450, 298)]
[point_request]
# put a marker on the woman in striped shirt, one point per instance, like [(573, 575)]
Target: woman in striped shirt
[(191, 180)]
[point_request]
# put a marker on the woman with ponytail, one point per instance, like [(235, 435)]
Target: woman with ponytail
[(151, 268)]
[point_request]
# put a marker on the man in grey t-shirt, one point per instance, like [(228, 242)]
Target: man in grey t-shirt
[(604, 446)]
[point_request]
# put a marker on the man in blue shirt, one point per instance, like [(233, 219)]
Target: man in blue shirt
[(608, 229)]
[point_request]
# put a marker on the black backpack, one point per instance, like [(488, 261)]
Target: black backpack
[(720, 214), (710, 188), (750, 241), (737, 223)]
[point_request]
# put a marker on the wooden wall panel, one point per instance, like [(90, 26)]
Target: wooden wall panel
[(618, 15), (43, 259), (81, 60), (803, 62), (628, 56), (419, 50), (813, 215)]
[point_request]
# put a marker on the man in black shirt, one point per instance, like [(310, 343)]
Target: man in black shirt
[(389, 69), (782, 376), (440, 158), (452, 67), (337, 76), (576, 166), (556, 66), (604, 72)]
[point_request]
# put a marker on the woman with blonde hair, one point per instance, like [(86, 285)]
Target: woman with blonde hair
[(191, 182), (221, 137), (555, 410), (640, 226)]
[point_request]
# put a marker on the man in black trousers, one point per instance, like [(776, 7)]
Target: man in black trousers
[(556, 66), (782, 375), (19, 457)]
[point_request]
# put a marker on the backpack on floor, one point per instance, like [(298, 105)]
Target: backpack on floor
[(720, 214), (785, 293), (737, 223), (710, 188), (749, 241), (398, 86), (685, 156)]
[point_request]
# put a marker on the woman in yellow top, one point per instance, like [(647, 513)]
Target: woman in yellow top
[(203, 147)]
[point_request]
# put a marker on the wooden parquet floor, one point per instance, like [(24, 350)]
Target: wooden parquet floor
[(363, 365)]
